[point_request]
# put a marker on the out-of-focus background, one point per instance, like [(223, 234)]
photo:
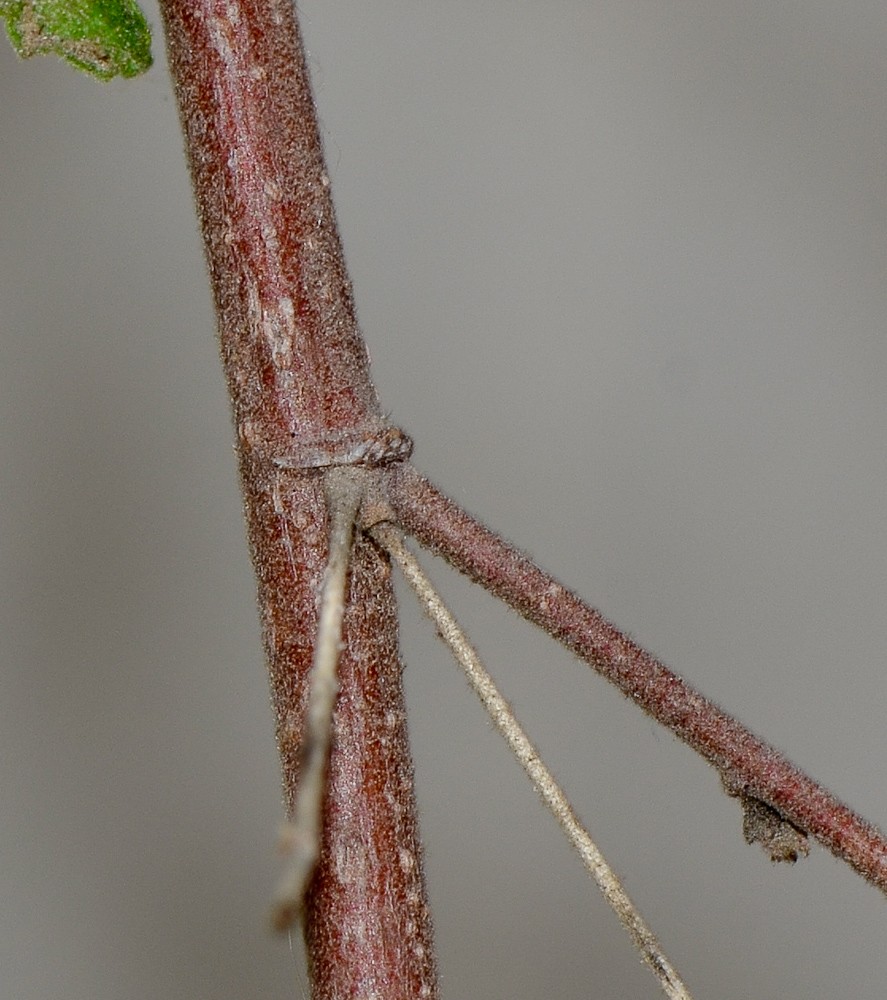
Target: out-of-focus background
[(621, 269)]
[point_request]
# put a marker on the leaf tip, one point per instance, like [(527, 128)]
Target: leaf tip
[(105, 38)]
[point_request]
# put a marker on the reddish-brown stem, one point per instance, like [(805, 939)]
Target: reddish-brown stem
[(749, 767), (296, 364), (368, 927), (298, 375)]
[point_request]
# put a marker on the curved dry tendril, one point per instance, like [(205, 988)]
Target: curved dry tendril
[(543, 780), (343, 489)]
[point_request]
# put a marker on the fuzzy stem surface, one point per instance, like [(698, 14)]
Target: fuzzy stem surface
[(750, 769), (302, 399)]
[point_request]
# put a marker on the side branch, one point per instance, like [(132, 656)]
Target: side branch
[(749, 767)]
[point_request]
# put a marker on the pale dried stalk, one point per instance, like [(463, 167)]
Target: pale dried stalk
[(543, 780), (343, 489)]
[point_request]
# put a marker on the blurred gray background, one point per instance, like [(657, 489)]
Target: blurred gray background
[(621, 270)]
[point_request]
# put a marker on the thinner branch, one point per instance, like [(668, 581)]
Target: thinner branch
[(750, 769), (643, 939), (343, 488)]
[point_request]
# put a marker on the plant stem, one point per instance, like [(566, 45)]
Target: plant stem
[(642, 937), (303, 402), (344, 489), (750, 769), (298, 376)]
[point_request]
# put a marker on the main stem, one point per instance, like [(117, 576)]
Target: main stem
[(298, 376)]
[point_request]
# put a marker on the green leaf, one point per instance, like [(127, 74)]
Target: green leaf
[(105, 38)]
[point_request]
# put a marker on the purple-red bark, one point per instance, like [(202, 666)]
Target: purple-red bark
[(302, 399), (298, 376), (750, 768)]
